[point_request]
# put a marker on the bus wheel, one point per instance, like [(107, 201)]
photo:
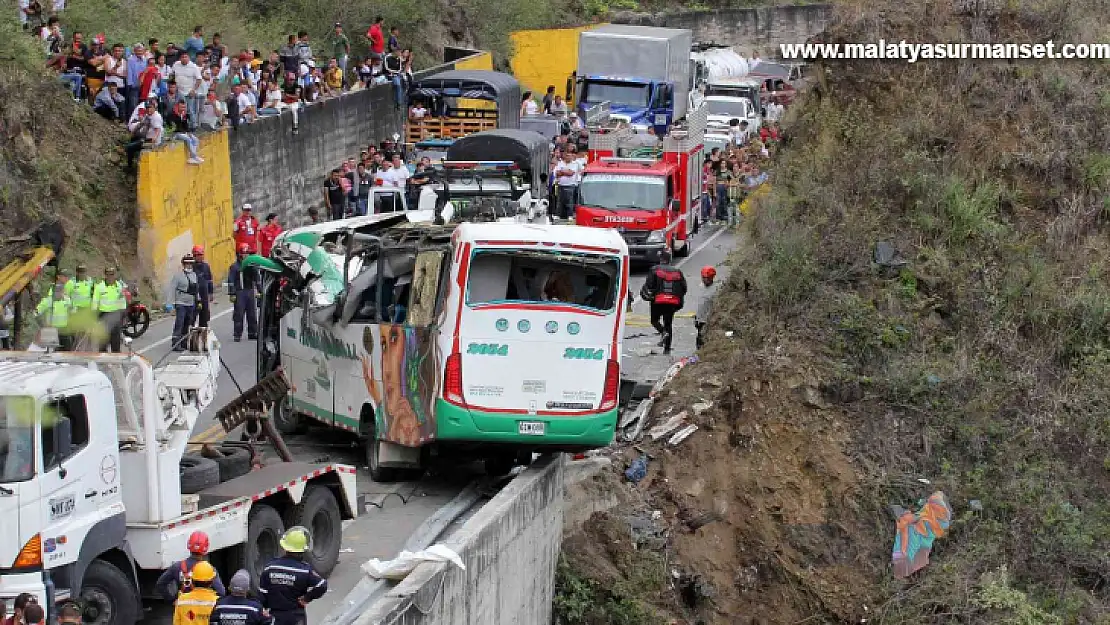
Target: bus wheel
[(378, 473), (286, 420), (500, 464)]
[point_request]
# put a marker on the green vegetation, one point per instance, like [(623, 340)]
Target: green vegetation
[(985, 357), (580, 600)]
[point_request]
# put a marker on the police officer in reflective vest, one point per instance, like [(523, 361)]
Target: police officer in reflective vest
[(110, 305), (288, 583), (55, 310), (176, 578), (195, 606), (238, 608), (80, 291), (665, 289)]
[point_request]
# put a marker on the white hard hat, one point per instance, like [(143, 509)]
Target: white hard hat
[(248, 207)]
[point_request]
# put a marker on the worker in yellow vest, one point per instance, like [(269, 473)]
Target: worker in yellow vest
[(109, 303), (55, 310), (80, 291), (195, 606)]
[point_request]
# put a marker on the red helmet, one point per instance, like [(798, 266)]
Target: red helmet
[(198, 543), (244, 248), (198, 250), (708, 272)]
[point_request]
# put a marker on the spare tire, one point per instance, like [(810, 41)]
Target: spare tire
[(198, 474), (233, 461)]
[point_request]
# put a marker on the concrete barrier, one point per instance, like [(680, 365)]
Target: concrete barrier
[(184, 205), (510, 548), (546, 57)]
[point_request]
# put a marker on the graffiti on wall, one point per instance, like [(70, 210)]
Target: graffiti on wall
[(183, 205)]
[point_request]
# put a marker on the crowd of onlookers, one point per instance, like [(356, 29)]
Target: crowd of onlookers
[(348, 189), (170, 92)]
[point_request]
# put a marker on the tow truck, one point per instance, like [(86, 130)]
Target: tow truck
[(98, 495), (651, 196)]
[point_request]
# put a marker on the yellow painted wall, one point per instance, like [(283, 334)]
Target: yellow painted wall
[(478, 61), (182, 205), (546, 57)]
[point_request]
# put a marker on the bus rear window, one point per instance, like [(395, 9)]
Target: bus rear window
[(522, 276)]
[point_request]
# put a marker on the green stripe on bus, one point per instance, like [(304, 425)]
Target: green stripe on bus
[(324, 415)]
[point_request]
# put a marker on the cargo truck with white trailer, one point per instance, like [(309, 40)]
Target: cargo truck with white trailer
[(97, 494), (643, 72)]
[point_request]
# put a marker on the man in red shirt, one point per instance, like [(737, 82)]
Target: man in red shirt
[(268, 234), (377, 38), (245, 229)]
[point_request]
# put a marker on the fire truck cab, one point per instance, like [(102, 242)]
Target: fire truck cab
[(649, 194)]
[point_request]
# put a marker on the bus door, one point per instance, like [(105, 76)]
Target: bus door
[(398, 369)]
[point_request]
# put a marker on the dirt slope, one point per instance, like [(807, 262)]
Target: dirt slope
[(973, 360), (59, 159)]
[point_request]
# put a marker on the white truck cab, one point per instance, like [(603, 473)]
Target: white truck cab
[(91, 501)]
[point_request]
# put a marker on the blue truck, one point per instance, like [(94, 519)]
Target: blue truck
[(642, 71)]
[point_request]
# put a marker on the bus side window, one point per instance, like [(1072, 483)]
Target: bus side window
[(425, 287)]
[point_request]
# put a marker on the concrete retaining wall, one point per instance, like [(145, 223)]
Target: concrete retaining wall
[(279, 171), (265, 164), (510, 548), (761, 29), (183, 205)]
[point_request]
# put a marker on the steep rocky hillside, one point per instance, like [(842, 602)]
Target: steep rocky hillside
[(922, 304), (60, 160)]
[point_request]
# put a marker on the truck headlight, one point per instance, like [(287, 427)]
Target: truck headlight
[(656, 236)]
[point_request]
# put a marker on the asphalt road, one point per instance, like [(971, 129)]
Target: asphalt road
[(394, 511)]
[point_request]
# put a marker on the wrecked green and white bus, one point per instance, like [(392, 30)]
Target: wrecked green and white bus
[(485, 340)]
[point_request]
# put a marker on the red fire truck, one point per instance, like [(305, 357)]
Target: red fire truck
[(650, 195)]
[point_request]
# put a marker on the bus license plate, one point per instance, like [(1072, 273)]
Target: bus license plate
[(532, 428)]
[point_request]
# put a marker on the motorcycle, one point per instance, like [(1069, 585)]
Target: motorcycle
[(137, 318)]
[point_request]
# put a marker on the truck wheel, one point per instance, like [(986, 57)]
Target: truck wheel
[(107, 596), (233, 461), (286, 420), (197, 474), (319, 512), (264, 530), (683, 251)]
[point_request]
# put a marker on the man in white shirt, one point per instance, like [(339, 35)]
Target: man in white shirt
[(187, 75), (247, 110), (567, 174), (145, 125), (399, 173)]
